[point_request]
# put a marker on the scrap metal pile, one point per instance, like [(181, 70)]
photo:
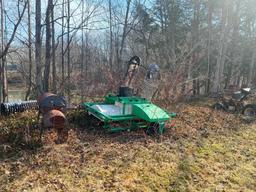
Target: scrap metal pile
[(124, 111)]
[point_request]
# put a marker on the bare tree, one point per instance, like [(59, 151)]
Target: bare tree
[(222, 49), (128, 3), (38, 47), (110, 35), (2, 67), (5, 45), (252, 63), (29, 52), (47, 47), (209, 44), (68, 52), (82, 56), (62, 43), (54, 74)]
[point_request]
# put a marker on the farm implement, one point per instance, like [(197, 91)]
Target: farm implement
[(128, 113)]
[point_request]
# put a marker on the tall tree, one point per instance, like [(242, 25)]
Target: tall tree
[(235, 45), (38, 47), (5, 44), (62, 43), (195, 41), (82, 55), (54, 74), (110, 34), (209, 43), (29, 53), (172, 28), (217, 83), (253, 59), (128, 3), (2, 67), (47, 46), (68, 52)]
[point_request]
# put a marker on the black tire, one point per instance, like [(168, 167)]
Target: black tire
[(218, 106), (249, 111)]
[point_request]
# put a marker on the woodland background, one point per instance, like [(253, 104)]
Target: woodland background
[(80, 47)]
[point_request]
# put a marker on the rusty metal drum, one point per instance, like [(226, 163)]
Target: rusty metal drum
[(54, 119), (49, 101)]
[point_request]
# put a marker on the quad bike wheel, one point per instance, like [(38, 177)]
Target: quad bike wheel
[(249, 111)]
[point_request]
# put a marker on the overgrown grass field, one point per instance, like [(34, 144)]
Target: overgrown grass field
[(205, 151)]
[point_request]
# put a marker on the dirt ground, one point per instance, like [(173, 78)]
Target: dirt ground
[(203, 150)]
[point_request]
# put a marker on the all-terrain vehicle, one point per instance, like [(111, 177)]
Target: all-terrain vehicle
[(236, 103)]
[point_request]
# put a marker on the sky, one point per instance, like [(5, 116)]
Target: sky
[(97, 25)]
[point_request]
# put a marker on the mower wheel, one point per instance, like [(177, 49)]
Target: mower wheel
[(249, 111), (154, 129)]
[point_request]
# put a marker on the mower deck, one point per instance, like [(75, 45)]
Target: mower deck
[(128, 113)]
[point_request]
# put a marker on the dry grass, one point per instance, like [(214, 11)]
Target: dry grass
[(206, 151)]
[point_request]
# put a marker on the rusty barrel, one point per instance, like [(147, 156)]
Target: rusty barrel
[(52, 107), (49, 101), (54, 119)]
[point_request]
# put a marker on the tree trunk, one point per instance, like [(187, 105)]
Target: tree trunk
[(195, 40), (38, 45), (3, 59), (124, 33), (172, 31), (68, 53), (111, 36), (209, 48), (252, 64), (2, 49), (87, 55), (29, 54), (54, 80), (222, 50), (82, 57), (62, 47), (47, 47)]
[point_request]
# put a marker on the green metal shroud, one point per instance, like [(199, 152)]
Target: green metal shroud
[(149, 112), (137, 113)]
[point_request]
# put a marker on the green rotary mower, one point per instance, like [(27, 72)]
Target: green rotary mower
[(128, 113), (125, 111)]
